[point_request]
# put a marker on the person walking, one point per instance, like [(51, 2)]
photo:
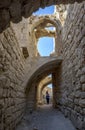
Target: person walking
[(47, 97)]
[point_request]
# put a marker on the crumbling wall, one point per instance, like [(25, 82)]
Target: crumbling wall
[(24, 36), (12, 97), (15, 10), (73, 66), (13, 71)]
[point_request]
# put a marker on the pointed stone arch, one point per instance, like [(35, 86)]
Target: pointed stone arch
[(47, 19), (38, 27), (47, 80), (48, 66)]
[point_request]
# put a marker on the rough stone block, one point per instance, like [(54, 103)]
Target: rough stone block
[(77, 94), (79, 123), (4, 3), (4, 19), (82, 102), (76, 101), (83, 87), (82, 80), (83, 95), (15, 11), (74, 118)]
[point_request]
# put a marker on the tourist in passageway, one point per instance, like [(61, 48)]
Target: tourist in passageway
[(47, 97)]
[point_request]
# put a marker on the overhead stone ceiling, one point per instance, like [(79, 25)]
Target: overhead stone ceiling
[(13, 10), (43, 70)]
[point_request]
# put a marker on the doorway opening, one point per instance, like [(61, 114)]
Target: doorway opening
[(48, 89), (45, 86)]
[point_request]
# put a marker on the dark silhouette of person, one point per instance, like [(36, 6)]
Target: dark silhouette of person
[(47, 97)]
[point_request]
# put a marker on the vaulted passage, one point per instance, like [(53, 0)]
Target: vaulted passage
[(25, 74), (42, 68)]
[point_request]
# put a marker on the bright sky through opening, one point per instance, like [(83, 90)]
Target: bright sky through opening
[(45, 44)]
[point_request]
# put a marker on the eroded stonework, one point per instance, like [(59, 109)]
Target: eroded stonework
[(20, 76), (13, 10)]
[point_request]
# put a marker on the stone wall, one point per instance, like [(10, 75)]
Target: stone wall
[(24, 35), (12, 98), (15, 70), (13, 10), (73, 66), (31, 98)]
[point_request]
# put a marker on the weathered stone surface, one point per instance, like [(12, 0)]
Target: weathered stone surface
[(77, 94), (4, 19), (79, 123), (5, 3), (83, 95), (15, 70), (73, 64), (83, 125), (82, 102), (82, 79), (15, 11), (76, 101), (26, 8), (9, 80), (83, 87)]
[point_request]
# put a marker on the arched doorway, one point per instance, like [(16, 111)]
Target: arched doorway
[(48, 88), (45, 70), (47, 26), (41, 89)]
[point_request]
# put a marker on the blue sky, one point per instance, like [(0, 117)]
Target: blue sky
[(45, 44), (50, 85), (47, 10)]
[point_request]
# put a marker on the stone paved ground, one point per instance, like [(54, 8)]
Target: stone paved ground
[(45, 118)]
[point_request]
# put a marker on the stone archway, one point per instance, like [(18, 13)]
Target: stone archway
[(14, 10), (73, 76), (39, 30), (43, 93), (36, 76), (43, 20), (47, 80)]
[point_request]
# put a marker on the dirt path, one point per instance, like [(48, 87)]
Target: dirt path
[(45, 118)]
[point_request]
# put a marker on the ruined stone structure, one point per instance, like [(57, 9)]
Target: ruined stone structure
[(43, 85), (24, 73)]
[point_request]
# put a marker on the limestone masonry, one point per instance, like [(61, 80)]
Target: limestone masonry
[(24, 73)]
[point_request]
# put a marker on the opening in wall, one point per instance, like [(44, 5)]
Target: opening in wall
[(47, 89), (25, 52), (45, 46)]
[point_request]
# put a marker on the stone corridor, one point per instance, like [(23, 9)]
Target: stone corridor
[(24, 73), (45, 118)]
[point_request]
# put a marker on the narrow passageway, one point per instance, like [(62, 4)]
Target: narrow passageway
[(45, 118)]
